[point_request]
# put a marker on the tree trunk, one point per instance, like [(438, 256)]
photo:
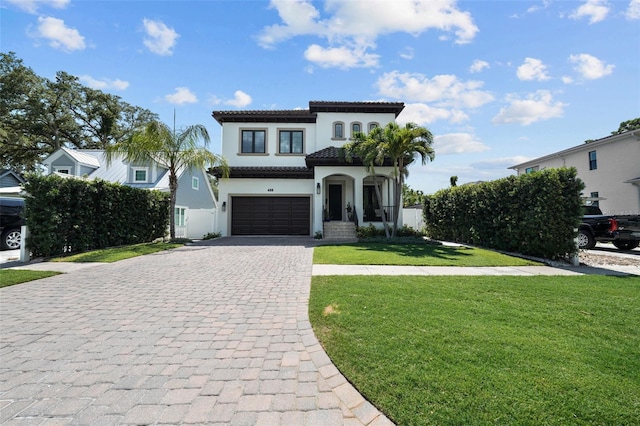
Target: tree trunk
[(397, 191), (173, 190), (381, 205)]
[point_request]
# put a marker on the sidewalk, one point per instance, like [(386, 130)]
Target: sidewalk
[(617, 270), (471, 270)]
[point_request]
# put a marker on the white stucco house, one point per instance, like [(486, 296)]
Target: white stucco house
[(288, 175), (196, 204), (609, 168)]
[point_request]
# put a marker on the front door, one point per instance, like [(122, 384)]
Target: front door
[(335, 202)]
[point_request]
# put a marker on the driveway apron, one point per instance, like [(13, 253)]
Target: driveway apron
[(216, 333)]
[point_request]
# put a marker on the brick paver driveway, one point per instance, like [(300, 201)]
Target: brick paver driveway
[(217, 333)]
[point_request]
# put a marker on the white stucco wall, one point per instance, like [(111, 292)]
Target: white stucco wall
[(258, 187), (231, 138)]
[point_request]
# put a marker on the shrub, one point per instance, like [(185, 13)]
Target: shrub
[(211, 235), (72, 215), (533, 214)]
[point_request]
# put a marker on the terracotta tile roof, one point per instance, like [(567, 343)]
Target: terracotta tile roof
[(305, 115), (332, 156), (265, 116), (375, 107), (277, 172)]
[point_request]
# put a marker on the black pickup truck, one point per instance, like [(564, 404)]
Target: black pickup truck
[(622, 231)]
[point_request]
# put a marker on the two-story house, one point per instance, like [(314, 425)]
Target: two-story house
[(288, 174), (196, 204), (609, 168)]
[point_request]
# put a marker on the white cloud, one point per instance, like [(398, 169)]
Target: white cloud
[(595, 10), (500, 163), (457, 143), (567, 79), (182, 95), (423, 114), (444, 90), (240, 99), (536, 7), (407, 53), (352, 27), (340, 57), (478, 66), (104, 83), (160, 38), (32, 6), (535, 107), (633, 12), (590, 67), (59, 35), (532, 69)]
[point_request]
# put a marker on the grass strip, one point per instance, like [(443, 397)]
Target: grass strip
[(10, 277), (412, 255), (115, 254), (486, 350)]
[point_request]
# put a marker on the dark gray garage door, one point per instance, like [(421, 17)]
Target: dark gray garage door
[(270, 215)]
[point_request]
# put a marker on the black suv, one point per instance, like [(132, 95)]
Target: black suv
[(11, 219)]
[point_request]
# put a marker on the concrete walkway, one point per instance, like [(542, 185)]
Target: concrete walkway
[(216, 333), (471, 270), (211, 334)]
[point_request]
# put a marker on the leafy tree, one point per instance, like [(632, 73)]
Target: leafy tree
[(400, 146), (453, 180), (411, 197), (627, 126), (38, 116), (157, 143)]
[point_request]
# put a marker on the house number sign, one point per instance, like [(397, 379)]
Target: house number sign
[(270, 190)]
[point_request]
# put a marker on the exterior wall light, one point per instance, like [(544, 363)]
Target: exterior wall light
[(224, 206), (318, 188)]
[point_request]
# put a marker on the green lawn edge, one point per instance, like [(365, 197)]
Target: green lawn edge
[(115, 254), (413, 254), (486, 350), (9, 277)]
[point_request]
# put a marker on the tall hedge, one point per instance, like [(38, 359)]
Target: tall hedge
[(72, 215), (533, 214)]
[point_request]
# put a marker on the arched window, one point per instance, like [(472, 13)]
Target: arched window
[(372, 126), (338, 130), (356, 127)]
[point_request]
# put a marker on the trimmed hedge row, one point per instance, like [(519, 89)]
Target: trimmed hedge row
[(71, 215), (533, 214)]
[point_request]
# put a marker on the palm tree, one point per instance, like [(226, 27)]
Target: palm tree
[(400, 145), (156, 143)]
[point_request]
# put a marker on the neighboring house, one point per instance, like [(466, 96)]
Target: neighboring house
[(10, 179), (288, 172), (609, 168), (195, 203)]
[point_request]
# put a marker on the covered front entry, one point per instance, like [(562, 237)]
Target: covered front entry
[(270, 215)]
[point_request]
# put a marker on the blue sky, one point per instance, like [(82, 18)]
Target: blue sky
[(496, 82)]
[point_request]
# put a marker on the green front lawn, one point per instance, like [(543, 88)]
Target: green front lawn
[(16, 276), (412, 254), (115, 254), (486, 350)]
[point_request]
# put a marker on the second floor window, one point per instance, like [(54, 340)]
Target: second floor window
[(338, 130), (253, 141), (291, 142), (372, 126), (355, 128), (593, 161), (531, 169), (140, 175)]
